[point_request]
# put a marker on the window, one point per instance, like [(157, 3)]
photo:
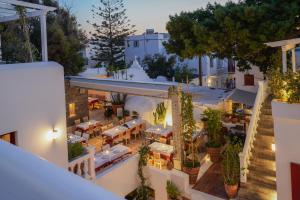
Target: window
[(136, 43), (128, 43), (249, 79), (9, 137), (72, 112)]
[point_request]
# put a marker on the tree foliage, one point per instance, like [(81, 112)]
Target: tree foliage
[(65, 39), (159, 65), (111, 27), (236, 30)]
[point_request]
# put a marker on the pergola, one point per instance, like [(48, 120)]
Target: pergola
[(8, 13), (286, 45)]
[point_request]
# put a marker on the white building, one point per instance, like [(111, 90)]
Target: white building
[(149, 44)]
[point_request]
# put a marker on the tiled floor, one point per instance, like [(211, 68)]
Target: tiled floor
[(212, 182)]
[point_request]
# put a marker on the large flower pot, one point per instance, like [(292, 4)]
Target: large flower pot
[(214, 154), (115, 108), (231, 190), (192, 172)]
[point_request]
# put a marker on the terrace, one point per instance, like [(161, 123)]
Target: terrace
[(116, 138)]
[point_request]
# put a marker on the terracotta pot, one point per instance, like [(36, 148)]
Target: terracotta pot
[(170, 165), (192, 172), (115, 108), (214, 154), (231, 190)]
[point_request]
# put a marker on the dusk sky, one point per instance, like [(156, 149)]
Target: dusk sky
[(143, 13)]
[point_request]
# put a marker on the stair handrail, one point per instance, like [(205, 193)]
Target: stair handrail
[(252, 130)]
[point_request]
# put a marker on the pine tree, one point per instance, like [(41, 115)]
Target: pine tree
[(108, 39)]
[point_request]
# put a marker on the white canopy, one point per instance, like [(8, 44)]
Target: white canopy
[(8, 13)]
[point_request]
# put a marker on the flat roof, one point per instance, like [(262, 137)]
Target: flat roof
[(201, 95), (8, 9), (281, 43)]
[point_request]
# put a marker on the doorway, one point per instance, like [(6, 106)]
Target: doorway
[(9, 137)]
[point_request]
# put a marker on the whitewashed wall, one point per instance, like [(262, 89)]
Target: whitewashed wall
[(286, 127), (123, 179), (32, 103), (239, 79)]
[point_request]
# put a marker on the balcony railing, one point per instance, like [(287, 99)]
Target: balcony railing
[(84, 166), (252, 130)]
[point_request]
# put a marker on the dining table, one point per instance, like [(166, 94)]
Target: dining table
[(160, 131), (111, 156), (133, 123), (115, 131), (84, 126), (164, 149), (75, 138)]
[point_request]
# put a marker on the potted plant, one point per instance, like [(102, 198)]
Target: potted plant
[(118, 101), (191, 165), (231, 169), (108, 112), (214, 127), (75, 150), (160, 114), (135, 115), (126, 113), (172, 191)]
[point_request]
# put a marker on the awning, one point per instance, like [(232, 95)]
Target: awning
[(244, 97)]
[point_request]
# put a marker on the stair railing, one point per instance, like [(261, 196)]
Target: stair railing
[(84, 166), (245, 155)]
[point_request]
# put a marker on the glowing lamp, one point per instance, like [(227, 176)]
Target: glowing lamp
[(55, 134), (273, 147)]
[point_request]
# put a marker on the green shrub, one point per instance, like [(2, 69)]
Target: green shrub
[(172, 190), (108, 112), (126, 113), (214, 126), (75, 150), (285, 86), (231, 164)]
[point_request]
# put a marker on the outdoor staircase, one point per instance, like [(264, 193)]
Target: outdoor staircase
[(261, 178)]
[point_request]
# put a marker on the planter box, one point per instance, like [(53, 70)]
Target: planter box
[(285, 110), (287, 136)]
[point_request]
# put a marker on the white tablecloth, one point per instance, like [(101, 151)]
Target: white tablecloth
[(113, 132), (133, 123), (162, 148), (85, 125), (159, 131), (91, 99), (75, 138), (112, 154)]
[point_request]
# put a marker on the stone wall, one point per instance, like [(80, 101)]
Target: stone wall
[(78, 96)]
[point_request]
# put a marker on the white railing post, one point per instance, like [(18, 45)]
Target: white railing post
[(91, 162), (88, 164), (251, 131)]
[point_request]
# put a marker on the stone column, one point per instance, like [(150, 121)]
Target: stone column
[(175, 94)]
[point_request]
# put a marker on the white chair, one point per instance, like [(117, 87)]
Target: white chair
[(105, 147), (69, 130), (157, 161), (86, 137), (78, 133), (77, 121), (85, 119)]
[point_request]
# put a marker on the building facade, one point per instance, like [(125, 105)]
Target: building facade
[(149, 44)]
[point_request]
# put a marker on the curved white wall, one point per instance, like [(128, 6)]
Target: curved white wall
[(32, 103)]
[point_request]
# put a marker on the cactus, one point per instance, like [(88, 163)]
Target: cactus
[(160, 113)]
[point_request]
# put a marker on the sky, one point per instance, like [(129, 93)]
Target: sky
[(142, 13)]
